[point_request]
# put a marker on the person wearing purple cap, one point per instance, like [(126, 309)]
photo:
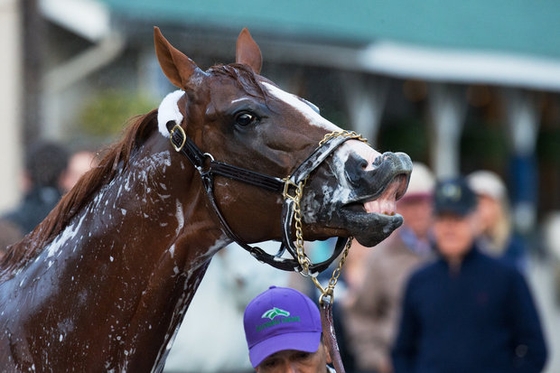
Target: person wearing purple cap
[(284, 333), (466, 312)]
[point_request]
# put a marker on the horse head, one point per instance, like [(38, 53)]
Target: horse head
[(245, 119)]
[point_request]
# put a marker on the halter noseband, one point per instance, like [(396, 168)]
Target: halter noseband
[(208, 167)]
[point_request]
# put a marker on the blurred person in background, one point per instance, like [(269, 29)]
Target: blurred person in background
[(9, 234), (372, 307), (80, 162), (466, 312), (496, 237), (45, 164)]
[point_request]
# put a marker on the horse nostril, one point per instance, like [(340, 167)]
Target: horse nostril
[(355, 170), (383, 157), (363, 164)]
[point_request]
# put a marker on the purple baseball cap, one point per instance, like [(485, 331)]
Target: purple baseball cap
[(281, 319)]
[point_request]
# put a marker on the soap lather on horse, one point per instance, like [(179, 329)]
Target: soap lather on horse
[(104, 281)]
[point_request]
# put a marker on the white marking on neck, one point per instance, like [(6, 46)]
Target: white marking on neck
[(300, 105), (168, 111)]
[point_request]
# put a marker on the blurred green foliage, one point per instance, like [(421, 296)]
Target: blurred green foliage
[(548, 145), (483, 146), (107, 114), (407, 135)]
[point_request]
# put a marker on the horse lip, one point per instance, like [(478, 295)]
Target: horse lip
[(370, 228), (371, 219)]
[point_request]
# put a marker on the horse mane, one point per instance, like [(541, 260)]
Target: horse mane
[(115, 157), (244, 76)]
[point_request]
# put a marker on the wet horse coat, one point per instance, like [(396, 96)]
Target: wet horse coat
[(103, 283)]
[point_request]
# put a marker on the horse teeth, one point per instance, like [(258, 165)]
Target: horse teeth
[(382, 206)]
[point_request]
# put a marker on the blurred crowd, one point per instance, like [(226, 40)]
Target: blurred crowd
[(446, 289), (446, 292), (50, 170)]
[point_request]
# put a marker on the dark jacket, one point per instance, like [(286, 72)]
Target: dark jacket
[(34, 207), (481, 318)]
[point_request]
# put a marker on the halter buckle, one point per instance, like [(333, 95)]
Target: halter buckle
[(286, 192), (183, 139)]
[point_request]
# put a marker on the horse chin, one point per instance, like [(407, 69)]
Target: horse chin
[(369, 229)]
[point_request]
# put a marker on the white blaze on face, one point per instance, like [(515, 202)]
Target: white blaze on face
[(315, 119), (356, 147)]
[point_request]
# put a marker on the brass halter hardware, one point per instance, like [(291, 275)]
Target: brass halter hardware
[(302, 257), (348, 134), (178, 128)]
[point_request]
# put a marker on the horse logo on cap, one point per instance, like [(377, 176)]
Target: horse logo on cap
[(273, 312), (452, 192)]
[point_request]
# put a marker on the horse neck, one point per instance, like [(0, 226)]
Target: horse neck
[(162, 253), (131, 256)]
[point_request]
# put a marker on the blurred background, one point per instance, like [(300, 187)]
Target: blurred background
[(458, 85)]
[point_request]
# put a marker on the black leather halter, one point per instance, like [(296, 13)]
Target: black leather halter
[(208, 167)]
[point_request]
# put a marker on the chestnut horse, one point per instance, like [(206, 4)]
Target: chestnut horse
[(103, 282)]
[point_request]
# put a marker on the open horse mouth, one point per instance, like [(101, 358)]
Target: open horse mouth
[(386, 203), (367, 210), (371, 221)]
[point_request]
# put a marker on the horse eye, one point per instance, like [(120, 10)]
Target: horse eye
[(245, 118)]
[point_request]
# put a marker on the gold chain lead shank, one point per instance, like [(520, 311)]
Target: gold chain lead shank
[(303, 259)]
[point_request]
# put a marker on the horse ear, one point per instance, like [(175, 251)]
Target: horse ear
[(175, 65), (248, 52)]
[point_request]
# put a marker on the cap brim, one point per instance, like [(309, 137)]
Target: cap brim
[(303, 341), (454, 210)]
